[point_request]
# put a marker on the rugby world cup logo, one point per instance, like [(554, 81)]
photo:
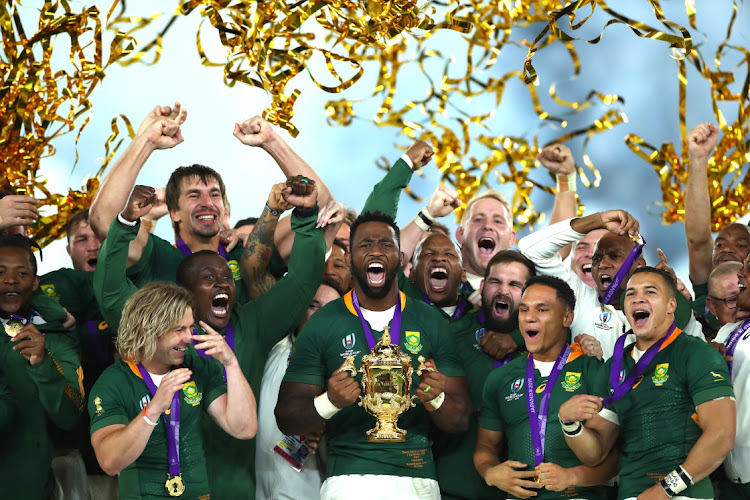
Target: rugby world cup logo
[(516, 386), (349, 341), (605, 317)]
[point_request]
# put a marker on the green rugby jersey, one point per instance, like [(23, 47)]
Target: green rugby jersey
[(334, 333), (48, 393), (120, 395), (505, 410), (657, 417)]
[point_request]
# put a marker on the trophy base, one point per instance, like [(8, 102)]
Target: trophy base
[(386, 432)]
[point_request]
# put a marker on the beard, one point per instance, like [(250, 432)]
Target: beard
[(506, 325), (360, 276)]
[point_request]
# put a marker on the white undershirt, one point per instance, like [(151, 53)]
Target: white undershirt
[(637, 353), (449, 310), (156, 379), (378, 320), (474, 280), (544, 367)]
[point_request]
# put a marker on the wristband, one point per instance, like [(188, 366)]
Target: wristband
[(673, 483), (438, 401), (324, 407), (685, 476), (566, 183), (274, 212), (572, 429), (424, 220), (148, 420), (122, 220), (420, 223)]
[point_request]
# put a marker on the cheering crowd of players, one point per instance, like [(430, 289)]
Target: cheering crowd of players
[(212, 366)]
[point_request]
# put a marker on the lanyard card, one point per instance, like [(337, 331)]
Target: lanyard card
[(294, 450)]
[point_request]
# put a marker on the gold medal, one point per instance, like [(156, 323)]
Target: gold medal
[(12, 327), (175, 486)]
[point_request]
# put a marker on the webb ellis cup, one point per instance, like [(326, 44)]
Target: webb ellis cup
[(386, 386)]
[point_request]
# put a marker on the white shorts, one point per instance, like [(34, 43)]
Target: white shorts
[(376, 487)]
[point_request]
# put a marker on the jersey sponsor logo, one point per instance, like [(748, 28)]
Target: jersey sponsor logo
[(49, 291), (478, 335), (235, 269), (541, 387), (98, 406), (349, 341), (718, 377), (516, 388), (660, 374), (605, 317), (413, 342), (145, 400), (571, 381), (192, 396)]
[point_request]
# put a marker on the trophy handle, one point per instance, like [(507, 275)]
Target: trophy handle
[(421, 368), (348, 367)]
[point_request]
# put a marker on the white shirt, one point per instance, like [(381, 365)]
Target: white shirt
[(737, 463), (378, 320), (275, 477), (603, 322)]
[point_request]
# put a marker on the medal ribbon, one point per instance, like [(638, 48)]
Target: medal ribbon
[(25, 320), (498, 362), (620, 389), (461, 306), (634, 254), (538, 418), (186, 249), (228, 336), (172, 424), (395, 322), (733, 339)]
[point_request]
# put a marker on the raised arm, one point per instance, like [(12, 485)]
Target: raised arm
[(701, 142), (159, 130), (558, 159)]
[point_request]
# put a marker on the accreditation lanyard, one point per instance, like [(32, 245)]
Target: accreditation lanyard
[(620, 389), (461, 306), (538, 416), (172, 424), (498, 362), (622, 273), (395, 331), (186, 249), (733, 339), (228, 336)]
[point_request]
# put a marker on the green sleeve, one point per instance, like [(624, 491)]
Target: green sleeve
[(385, 194), (211, 373), (306, 365), (707, 373), (111, 285), (59, 380), (106, 405), (520, 342), (683, 312), (489, 416), (48, 307), (283, 306), (72, 288), (406, 286), (7, 404), (445, 350), (699, 302)]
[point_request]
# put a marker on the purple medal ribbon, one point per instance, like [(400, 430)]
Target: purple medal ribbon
[(25, 320), (395, 331), (538, 418), (461, 306), (186, 249), (172, 422), (228, 336), (620, 389), (733, 339), (498, 362), (634, 254)]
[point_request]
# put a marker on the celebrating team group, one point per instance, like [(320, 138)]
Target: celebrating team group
[(265, 360)]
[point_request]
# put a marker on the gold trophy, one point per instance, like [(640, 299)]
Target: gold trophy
[(386, 387)]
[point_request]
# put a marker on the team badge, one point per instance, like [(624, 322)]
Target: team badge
[(571, 381), (515, 390), (192, 396), (660, 374), (98, 405), (413, 342), (605, 317), (349, 341), (718, 377), (49, 291), (235, 269)]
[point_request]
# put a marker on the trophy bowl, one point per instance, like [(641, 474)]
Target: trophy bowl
[(386, 387)]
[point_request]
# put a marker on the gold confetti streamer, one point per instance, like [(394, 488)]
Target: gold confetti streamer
[(39, 103)]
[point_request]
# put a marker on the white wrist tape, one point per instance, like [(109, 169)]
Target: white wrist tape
[(324, 407), (566, 183), (420, 223), (438, 401), (123, 220)]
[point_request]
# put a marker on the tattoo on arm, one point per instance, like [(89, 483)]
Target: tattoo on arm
[(257, 255)]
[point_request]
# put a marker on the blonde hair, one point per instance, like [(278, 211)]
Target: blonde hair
[(148, 314), (495, 195)]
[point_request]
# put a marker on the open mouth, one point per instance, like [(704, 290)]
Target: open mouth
[(605, 280), (180, 349), (502, 308), (586, 269), (741, 286), (640, 317), (92, 262), (376, 274), (206, 217), (486, 246), (532, 333), (220, 305), (11, 295), (439, 279)]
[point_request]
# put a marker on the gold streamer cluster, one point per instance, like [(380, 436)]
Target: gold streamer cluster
[(39, 103)]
